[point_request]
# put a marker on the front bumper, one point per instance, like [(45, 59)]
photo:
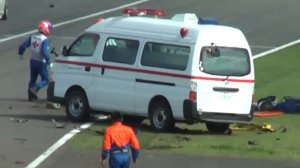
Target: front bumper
[(191, 115)]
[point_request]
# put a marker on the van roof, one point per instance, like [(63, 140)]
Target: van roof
[(159, 28)]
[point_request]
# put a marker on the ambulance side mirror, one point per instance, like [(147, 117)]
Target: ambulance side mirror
[(64, 50), (53, 52)]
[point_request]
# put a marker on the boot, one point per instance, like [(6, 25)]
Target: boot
[(32, 94)]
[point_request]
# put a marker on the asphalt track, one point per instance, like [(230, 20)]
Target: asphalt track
[(26, 128)]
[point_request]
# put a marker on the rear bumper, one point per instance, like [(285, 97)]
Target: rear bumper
[(191, 115), (50, 94)]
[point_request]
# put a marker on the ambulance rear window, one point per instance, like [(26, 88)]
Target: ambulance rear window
[(229, 62), (165, 56)]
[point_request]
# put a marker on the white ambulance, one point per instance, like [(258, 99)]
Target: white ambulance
[(182, 69)]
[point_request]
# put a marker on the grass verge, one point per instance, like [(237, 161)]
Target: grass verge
[(196, 140)]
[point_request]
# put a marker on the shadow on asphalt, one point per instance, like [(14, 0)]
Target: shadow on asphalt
[(40, 105), (145, 127), (21, 110)]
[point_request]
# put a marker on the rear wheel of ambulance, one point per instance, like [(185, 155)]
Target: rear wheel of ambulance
[(77, 106), (217, 127), (161, 117)]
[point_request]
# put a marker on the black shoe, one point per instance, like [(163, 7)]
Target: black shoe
[(31, 99), (31, 96), (33, 90)]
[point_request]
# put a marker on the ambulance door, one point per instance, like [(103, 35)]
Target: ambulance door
[(114, 85), (226, 80), (76, 66)]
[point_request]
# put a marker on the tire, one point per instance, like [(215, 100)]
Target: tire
[(161, 117), (77, 109), (217, 127)]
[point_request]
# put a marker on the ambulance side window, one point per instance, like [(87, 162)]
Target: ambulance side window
[(165, 56), (120, 50), (84, 45)]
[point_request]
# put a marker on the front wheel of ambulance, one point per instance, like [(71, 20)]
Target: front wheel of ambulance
[(161, 117), (77, 106), (217, 127)]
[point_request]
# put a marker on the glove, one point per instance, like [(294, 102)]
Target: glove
[(21, 57), (51, 65), (49, 62)]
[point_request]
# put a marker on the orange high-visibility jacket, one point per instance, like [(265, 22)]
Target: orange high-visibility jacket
[(118, 137)]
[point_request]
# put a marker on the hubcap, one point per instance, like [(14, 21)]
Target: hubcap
[(159, 118), (76, 106)]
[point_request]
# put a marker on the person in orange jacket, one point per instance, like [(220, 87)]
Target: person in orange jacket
[(117, 141)]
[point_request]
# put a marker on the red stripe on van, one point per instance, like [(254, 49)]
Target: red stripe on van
[(151, 71), (222, 79)]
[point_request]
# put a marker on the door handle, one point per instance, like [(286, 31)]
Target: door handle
[(102, 70), (87, 68)]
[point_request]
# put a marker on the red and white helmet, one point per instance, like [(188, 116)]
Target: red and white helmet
[(45, 27)]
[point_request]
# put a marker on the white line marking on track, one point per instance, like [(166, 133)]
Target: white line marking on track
[(63, 37), (262, 47), (76, 20), (57, 145), (276, 49)]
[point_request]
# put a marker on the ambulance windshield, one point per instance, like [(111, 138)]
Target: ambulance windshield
[(229, 62)]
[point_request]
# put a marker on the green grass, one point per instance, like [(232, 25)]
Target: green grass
[(195, 140), (276, 74)]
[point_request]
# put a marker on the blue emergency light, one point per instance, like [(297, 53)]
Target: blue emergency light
[(208, 20)]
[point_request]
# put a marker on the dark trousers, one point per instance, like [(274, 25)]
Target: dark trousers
[(119, 160)]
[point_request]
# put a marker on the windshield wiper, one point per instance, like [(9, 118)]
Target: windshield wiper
[(226, 78)]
